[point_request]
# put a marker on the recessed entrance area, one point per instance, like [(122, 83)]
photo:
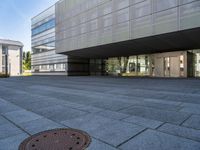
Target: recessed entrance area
[(169, 64)]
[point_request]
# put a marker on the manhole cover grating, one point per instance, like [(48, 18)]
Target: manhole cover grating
[(58, 139)]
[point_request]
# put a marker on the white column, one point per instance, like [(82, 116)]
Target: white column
[(0, 58)]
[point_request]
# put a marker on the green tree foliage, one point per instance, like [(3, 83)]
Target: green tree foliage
[(26, 60)]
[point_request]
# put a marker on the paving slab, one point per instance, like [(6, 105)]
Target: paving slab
[(21, 116), (116, 132), (193, 122), (88, 123), (12, 143), (7, 107), (163, 101), (112, 114), (190, 108), (154, 140), (157, 114), (102, 105), (90, 109), (157, 105), (181, 131), (60, 113), (3, 120), (148, 123), (39, 125), (98, 145), (8, 130)]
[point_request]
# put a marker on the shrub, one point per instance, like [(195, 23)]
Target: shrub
[(3, 75)]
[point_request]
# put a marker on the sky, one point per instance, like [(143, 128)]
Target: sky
[(15, 18)]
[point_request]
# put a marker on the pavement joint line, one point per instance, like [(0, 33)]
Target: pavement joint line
[(17, 125), (185, 119), (160, 125), (132, 137), (179, 135), (92, 137)]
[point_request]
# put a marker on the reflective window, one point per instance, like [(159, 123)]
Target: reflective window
[(3, 60), (129, 66), (196, 63), (46, 26)]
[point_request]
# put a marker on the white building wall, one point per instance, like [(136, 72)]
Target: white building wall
[(0, 58), (14, 62)]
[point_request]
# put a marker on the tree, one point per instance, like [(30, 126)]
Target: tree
[(26, 60)]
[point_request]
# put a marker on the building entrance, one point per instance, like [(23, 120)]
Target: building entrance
[(169, 64)]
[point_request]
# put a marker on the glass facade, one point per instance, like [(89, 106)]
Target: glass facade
[(44, 58), (46, 26), (129, 66), (196, 62)]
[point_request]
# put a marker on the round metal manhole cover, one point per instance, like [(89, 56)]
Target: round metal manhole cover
[(58, 139)]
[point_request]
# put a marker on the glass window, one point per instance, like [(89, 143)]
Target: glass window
[(4, 50), (197, 63), (3, 60), (46, 26), (129, 66)]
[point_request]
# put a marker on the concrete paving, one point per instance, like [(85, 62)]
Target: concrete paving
[(118, 113)]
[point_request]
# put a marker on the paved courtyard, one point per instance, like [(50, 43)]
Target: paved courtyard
[(118, 113)]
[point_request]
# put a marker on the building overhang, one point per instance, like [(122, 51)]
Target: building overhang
[(174, 41)]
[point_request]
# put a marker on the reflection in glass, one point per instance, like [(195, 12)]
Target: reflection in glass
[(129, 66)]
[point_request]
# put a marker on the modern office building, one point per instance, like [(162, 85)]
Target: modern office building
[(131, 37), (44, 59), (11, 57)]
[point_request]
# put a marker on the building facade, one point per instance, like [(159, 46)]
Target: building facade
[(45, 61), (131, 37), (11, 57)]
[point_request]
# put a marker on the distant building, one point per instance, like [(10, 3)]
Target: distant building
[(11, 57)]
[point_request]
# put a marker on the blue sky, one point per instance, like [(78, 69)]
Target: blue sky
[(15, 18)]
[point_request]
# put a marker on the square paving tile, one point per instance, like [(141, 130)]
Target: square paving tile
[(21, 116), (12, 143), (191, 108), (181, 131), (88, 123), (157, 114), (98, 145), (3, 120), (112, 115), (39, 125), (8, 130), (193, 122), (90, 109), (153, 140), (153, 124), (6, 107), (116, 132), (60, 113)]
